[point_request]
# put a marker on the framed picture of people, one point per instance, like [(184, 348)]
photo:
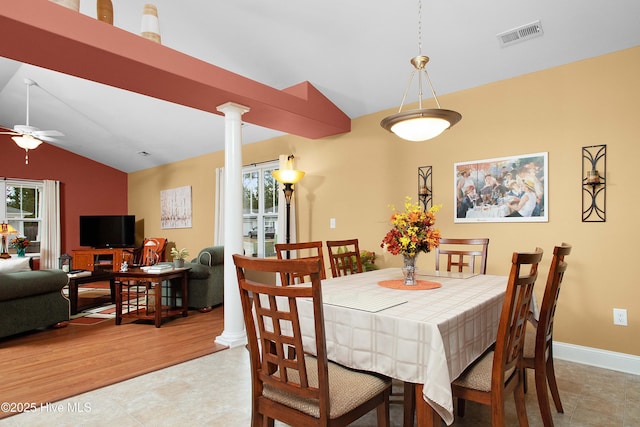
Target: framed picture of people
[(507, 189)]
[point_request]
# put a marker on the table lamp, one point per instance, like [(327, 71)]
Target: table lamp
[(5, 231)]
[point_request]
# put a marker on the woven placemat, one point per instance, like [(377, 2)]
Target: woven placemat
[(421, 285)]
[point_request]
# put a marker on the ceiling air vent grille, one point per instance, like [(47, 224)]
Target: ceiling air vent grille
[(520, 34)]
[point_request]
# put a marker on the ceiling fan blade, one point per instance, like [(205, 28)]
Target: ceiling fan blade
[(8, 131), (47, 133), (46, 138)]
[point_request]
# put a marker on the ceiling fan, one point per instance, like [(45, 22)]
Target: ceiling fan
[(30, 137)]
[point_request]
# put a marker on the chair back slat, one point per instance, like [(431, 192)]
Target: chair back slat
[(273, 328), (463, 253), (344, 256), (515, 309), (301, 250)]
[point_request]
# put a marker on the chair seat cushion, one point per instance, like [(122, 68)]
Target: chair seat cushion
[(348, 389), (478, 376), (529, 350), (198, 271)]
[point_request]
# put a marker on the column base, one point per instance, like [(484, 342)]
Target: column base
[(231, 339)]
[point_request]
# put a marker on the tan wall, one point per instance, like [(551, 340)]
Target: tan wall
[(354, 177)]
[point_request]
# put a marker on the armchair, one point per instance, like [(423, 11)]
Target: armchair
[(151, 252), (206, 278)]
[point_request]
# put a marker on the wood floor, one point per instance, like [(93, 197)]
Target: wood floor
[(53, 364)]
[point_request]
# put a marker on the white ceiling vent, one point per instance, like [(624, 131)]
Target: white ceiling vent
[(520, 34)]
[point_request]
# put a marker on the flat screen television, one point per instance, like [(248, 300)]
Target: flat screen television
[(108, 231)]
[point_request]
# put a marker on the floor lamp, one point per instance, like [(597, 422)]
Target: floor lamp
[(5, 231), (288, 177)]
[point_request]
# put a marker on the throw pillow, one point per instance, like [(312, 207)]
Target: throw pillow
[(13, 265)]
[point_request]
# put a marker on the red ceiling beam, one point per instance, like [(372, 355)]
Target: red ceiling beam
[(45, 34)]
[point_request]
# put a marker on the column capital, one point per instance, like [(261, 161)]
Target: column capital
[(232, 107)]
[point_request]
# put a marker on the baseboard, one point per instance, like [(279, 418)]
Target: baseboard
[(595, 357)]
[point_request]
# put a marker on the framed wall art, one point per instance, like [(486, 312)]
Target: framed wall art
[(507, 189), (175, 208)]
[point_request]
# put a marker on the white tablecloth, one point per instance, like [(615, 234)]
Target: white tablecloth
[(488, 212), (430, 339)]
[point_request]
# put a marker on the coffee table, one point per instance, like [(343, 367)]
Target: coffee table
[(96, 276), (143, 296)]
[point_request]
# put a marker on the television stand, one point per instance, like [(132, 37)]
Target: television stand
[(100, 259)]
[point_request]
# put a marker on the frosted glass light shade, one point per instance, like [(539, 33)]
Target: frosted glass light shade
[(421, 125), (287, 176), (26, 141)]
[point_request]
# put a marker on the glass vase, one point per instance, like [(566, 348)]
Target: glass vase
[(21, 251), (409, 270)]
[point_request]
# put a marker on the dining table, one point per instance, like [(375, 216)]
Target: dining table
[(426, 335)]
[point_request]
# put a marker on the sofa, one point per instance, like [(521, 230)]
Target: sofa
[(30, 299), (206, 278)]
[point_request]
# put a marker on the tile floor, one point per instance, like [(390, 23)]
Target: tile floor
[(214, 391)]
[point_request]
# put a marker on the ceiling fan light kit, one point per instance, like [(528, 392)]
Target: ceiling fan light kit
[(26, 141), (424, 123)]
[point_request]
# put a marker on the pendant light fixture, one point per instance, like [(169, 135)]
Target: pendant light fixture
[(424, 123)]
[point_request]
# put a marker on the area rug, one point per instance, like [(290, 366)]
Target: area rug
[(94, 315), (54, 364)]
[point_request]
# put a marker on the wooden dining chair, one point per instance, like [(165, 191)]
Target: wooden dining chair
[(538, 348), (293, 387), (460, 253), (301, 250), (500, 371), (344, 256)]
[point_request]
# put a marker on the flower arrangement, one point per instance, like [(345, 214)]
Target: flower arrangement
[(413, 230), (179, 254), (20, 243)]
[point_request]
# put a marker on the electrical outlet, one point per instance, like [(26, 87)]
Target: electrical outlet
[(620, 316), (332, 223)]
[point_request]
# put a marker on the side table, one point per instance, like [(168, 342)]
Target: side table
[(142, 294), (96, 276)]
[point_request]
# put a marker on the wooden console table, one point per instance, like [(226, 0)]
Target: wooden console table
[(140, 294)]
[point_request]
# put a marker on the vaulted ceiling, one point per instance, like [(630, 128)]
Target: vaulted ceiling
[(354, 56)]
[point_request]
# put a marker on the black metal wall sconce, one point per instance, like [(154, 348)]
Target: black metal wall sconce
[(594, 185), (425, 192)]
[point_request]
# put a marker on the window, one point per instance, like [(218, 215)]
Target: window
[(260, 209), (22, 210)]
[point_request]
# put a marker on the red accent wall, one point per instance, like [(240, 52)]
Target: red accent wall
[(87, 187)]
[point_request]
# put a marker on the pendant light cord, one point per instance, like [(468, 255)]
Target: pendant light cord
[(419, 27)]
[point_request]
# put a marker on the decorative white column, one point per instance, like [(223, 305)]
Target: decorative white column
[(234, 333)]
